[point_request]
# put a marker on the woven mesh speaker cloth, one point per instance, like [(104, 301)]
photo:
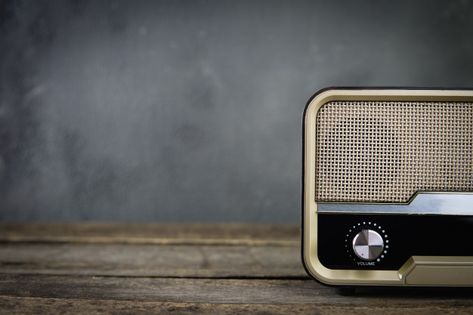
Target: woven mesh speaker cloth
[(388, 151)]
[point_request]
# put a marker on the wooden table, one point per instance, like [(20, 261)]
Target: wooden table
[(183, 269)]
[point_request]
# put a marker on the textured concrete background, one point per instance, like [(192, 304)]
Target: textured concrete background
[(191, 110)]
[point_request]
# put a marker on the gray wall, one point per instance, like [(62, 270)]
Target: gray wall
[(191, 110)]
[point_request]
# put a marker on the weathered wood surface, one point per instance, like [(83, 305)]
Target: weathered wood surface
[(183, 269), (15, 305), (165, 234), (152, 260)]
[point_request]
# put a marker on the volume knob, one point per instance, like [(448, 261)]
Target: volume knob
[(368, 245)]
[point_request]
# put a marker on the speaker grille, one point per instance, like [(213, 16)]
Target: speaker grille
[(388, 151)]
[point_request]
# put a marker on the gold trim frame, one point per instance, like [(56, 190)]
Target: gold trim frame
[(418, 270)]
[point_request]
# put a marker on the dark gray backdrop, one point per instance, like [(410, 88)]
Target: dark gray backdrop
[(191, 110)]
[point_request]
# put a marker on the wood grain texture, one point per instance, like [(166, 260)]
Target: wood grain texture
[(165, 234), (188, 269), (15, 305), (243, 291), (216, 261)]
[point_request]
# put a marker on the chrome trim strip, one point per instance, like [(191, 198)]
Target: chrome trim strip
[(423, 203)]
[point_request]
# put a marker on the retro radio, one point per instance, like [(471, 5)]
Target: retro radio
[(388, 187)]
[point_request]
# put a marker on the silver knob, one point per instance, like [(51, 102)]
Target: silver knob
[(368, 245)]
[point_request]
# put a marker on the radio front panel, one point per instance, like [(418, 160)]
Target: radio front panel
[(388, 187)]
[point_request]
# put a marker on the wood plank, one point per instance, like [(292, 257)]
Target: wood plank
[(20, 305), (154, 268), (214, 261), (227, 291), (207, 234)]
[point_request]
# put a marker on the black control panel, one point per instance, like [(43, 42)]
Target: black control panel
[(387, 241)]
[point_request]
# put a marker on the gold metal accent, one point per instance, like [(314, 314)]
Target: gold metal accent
[(438, 271), (416, 272)]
